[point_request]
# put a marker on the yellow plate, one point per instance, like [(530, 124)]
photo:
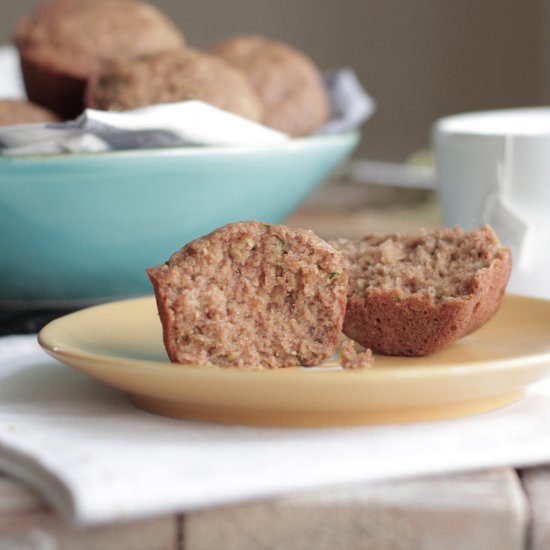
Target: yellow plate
[(120, 344)]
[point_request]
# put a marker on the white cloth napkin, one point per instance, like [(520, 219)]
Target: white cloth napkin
[(98, 459), (166, 125)]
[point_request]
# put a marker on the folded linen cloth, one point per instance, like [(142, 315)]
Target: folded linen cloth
[(178, 124), (97, 459)]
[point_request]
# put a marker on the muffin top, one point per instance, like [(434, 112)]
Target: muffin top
[(173, 76), (88, 33), (286, 80)]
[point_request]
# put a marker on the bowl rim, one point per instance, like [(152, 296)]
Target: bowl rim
[(192, 151)]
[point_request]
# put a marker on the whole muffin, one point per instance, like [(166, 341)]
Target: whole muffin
[(286, 80), (174, 76), (15, 111), (416, 294), (252, 295), (63, 42)]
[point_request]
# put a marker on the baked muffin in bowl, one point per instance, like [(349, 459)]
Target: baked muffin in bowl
[(172, 76), (285, 79), (62, 43), (19, 111)]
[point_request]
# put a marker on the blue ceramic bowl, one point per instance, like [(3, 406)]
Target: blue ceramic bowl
[(79, 228)]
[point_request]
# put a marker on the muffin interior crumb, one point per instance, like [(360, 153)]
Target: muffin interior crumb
[(435, 263), (266, 297), (351, 358)]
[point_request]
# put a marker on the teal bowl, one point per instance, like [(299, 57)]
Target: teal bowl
[(79, 229)]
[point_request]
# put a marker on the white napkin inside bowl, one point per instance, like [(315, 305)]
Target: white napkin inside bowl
[(98, 459), (167, 125)]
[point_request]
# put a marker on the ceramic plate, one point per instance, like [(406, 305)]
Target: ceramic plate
[(120, 344)]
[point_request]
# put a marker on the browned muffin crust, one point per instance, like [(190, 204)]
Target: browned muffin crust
[(63, 42), (172, 76), (252, 295), (286, 80), (413, 295), (15, 111)]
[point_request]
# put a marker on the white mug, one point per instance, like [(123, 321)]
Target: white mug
[(494, 167)]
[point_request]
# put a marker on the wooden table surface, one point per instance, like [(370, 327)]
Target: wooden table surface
[(502, 509)]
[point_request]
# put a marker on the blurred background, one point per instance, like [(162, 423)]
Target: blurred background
[(419, 60)]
